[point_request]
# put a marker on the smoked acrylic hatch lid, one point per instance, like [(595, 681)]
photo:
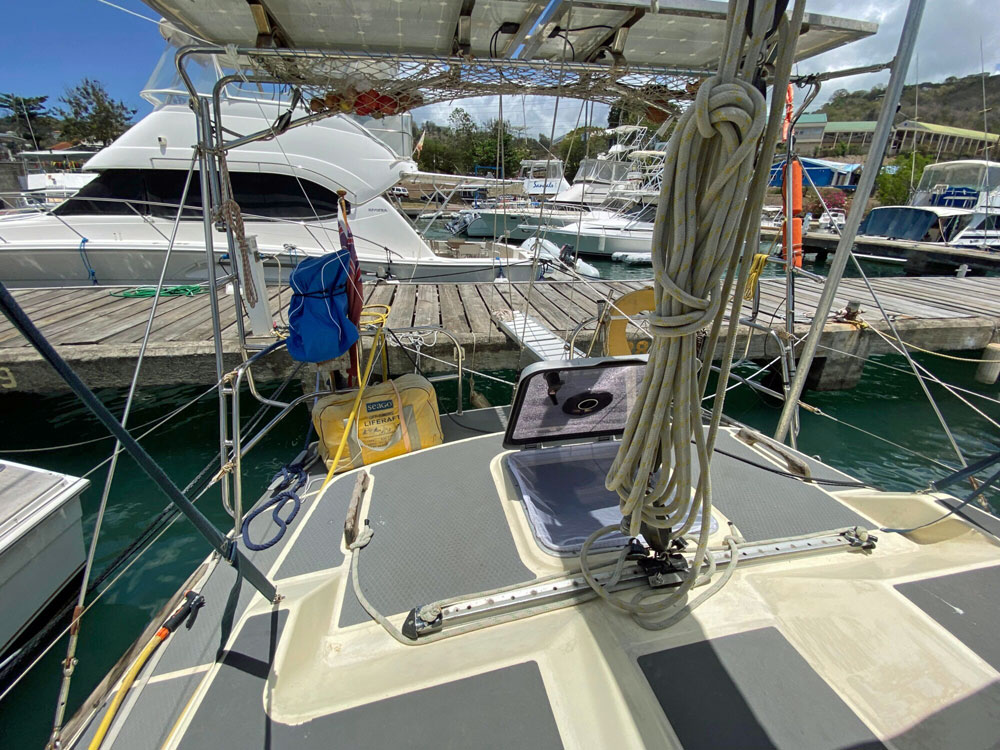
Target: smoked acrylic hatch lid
[(573, 400)]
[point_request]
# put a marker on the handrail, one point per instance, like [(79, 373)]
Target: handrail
[(459, 352)]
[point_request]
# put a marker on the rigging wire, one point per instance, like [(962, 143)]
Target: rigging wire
[(887, 366), (69, 663), (200, 485), (900, 348), (158, 422), (909, 359), (942, 355)]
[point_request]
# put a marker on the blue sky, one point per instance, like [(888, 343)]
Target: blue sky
[(50, 45)]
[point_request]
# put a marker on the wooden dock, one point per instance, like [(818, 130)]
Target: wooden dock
[(918, 258), (100, 334)]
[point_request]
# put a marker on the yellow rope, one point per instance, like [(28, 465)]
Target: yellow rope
[(756, 269), (369, 316), (928, 351)]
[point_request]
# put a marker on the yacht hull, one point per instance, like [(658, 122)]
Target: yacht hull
[(602, 244), (132, 265)]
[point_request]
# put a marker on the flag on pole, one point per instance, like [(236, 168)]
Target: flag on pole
[(789, 112), (355, 298)]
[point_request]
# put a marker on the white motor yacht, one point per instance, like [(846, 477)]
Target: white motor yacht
[(596, 176), (50, 176), (966, 183), (117, 228), (627, 232), (977, 229)]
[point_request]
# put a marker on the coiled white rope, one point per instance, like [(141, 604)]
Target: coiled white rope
[(701, 221)]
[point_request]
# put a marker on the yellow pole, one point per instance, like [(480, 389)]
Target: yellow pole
[(354, 410)]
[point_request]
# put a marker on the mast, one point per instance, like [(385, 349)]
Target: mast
[(907, 41)]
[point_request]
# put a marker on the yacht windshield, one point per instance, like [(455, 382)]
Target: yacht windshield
[(540, 170), (157, 192), (953, 225), (971, 176), (602, 170), (165, 85), (901, 223)]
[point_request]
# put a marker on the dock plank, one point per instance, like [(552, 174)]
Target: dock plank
[(453, 316), (426, 311), (476, 311), (403, 305)]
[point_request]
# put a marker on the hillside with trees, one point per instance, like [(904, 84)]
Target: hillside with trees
[(957, 102)]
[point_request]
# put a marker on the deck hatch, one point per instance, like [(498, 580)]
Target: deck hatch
[(565, 500), (751, 690)]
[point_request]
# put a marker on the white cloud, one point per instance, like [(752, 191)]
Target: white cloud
[(947, 44)]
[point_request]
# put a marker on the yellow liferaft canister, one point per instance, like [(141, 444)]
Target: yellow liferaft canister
[(394, 418)]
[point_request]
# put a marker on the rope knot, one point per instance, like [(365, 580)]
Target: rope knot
[(685, 323)]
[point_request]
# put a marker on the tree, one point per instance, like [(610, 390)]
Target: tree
[(92, 115), (29, 118), (573, 147), (834, 198), (615, 115), (892, 186)]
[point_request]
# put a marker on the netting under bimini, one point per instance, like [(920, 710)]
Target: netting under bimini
[(379, 85)]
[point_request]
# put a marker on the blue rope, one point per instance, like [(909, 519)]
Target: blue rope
[(284, 492), (91, 273)]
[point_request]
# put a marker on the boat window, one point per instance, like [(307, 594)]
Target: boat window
[(282, 196), (932, 176), (953, 225), (538, 170), (602, 169), (993, 178), (164, 188), (899, 222), (158, 193), (646, 213), (111, 192), (963, 175)]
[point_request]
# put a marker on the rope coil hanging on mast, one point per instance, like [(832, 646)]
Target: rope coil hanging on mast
[(700, 225)]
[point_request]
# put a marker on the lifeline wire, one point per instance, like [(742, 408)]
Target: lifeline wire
[(69, 663)]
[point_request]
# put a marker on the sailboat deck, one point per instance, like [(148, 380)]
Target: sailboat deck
[(826, 650), (100, 334)]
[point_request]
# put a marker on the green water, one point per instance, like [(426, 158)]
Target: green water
[(886, 402)]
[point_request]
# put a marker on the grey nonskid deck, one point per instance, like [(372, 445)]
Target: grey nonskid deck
[(440, 531), (474, 711), (753, 690), (428, 513)]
